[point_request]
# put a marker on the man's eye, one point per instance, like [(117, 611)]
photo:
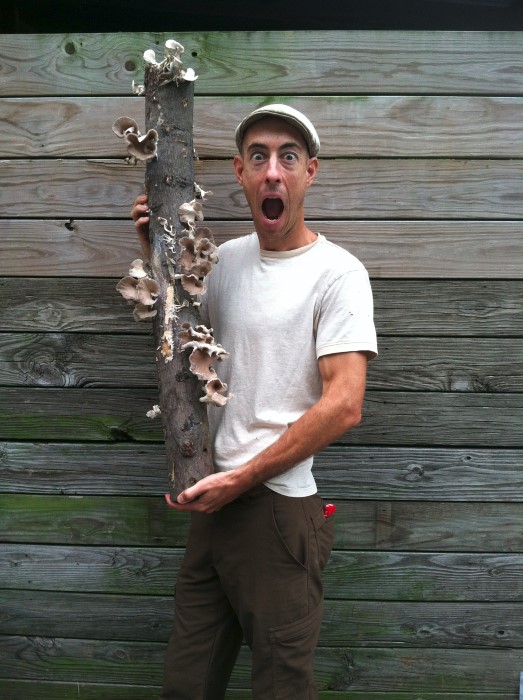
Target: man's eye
[(289, 157), (257, 156)]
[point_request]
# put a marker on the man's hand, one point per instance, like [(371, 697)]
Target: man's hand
[(212, 492), (140, 216)]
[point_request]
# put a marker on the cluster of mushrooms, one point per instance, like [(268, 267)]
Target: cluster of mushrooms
[(193, 255)]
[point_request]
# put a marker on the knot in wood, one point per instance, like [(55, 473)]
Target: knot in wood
[(415, 472), (187, 449)]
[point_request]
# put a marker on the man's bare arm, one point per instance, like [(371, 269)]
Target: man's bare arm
[(338, 410)]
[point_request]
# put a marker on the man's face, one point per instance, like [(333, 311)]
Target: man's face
[(275, 171)]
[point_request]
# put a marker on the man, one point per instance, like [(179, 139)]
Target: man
[(295, 313)]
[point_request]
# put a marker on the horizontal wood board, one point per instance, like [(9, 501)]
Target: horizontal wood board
[(351, 188), (351, 126), (271, 63), (406, 307), (406, 364), (421, 249)]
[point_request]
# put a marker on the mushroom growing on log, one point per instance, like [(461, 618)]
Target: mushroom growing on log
[(181, 257)]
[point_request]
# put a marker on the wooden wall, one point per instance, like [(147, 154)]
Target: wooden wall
[(422, 178)]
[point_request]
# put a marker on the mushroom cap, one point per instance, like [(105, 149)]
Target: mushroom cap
[(189, 212), (193, 284), (142, 312), (125, 125), (201, 364), (138, 269), (142, 147), (198, 333), (214, 390), (138, 89), (188, 75), (174, 46), (127, 288), (147, 291), (150, 57)]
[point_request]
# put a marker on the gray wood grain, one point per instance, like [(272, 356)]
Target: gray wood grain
[(405, 364), (354, 125), (355, 188), (389, 417), (272, 63), (389, 249)]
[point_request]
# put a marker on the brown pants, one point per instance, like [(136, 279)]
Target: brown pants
[(251, 571)]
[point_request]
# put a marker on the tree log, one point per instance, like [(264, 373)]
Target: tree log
[(178, 265), (169, 183)]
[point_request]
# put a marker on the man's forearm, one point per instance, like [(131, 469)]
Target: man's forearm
[(317, 428), (338, 410)]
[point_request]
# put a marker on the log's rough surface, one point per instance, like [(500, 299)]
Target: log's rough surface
[(170, 184), (420, 177)]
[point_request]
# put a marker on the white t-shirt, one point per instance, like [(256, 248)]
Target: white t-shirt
[(276, 313)]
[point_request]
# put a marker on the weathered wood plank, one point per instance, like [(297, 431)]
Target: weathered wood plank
[(362, 575), (326, 62), (390, 417), (357, 188), (469, 670), (380, 473), (365, 524), (47, 690), (437, 670), (397, 249), (439, 419), (406, 364), (18, 690), (489, 308), (149, 618), (354, 126), (425, 364)]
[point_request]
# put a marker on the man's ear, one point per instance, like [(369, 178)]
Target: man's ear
[(238, 169), (312, 169)]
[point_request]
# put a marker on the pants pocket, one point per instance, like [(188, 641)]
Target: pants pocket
[(292, 528), (324, 532), (292, 649)]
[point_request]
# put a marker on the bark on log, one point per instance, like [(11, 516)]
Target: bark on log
[(169, 183), (182, 256)]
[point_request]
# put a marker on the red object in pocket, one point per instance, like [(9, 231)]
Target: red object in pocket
[(328, 510)]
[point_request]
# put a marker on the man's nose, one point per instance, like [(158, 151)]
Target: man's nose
[(273, 172)]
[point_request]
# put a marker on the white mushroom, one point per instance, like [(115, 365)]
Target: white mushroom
[(142, 147), (188, 75), (127, 288), (173, 48), (147, 291), (124, 126), (142, 312), (198, 255), (214, 390), (154, 412), (150, 57), (200, 193), (201, 364), (199, 333), (189, 212), (192, 284), (138, 269)]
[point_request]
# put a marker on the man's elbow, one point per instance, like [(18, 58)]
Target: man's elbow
[(352, 417)]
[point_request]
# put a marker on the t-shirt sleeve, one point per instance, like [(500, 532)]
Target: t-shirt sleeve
[(345, 316)]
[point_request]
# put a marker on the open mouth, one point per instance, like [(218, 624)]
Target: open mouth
[(272, 208)]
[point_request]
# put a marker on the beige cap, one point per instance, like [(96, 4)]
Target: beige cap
[(290, 115)]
